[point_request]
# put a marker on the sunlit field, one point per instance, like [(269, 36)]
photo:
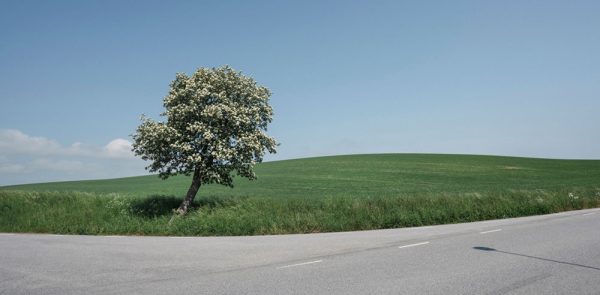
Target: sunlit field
[(338, 193)]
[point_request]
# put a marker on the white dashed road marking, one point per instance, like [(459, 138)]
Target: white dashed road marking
[(490, 231), (413, 245), (300, 264)]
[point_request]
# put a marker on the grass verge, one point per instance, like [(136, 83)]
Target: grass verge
[(115, 214)]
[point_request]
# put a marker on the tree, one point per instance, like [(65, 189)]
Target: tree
[(216, 123)]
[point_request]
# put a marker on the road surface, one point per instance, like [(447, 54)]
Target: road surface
[(550, 254)]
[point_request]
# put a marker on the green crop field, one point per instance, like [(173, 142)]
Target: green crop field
[(337, 193)]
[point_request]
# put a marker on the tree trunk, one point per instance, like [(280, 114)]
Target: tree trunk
[(191, 194)]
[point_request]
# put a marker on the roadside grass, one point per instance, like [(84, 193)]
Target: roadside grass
[(338, 193), (113, 214)]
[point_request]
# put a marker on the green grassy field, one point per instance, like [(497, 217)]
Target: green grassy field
[(336, 193)]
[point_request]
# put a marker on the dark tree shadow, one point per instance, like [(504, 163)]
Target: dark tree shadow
[(154, 206), (534, 257), (160, 205)]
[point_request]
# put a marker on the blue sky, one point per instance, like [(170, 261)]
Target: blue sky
[(517, 78)]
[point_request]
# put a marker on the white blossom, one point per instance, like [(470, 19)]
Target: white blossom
[(216, 123)]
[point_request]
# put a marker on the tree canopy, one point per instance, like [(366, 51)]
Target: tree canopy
[(216, 123)]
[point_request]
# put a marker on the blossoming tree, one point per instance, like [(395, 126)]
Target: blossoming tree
[(216, 123)]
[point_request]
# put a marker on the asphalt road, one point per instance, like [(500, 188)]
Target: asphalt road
[(550, 254)]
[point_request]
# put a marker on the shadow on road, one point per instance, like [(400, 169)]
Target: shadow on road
[(534, 257)]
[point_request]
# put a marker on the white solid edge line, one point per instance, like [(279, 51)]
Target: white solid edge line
[(299, 264), (490, 231), (413, 245), (588, 213)]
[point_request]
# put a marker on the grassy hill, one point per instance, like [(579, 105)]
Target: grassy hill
[(366, 175), (335, 193)]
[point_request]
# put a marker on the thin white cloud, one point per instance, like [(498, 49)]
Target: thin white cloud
[(28, 159), (11, 168), (57, 165), (118, 148), (15, 142)]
